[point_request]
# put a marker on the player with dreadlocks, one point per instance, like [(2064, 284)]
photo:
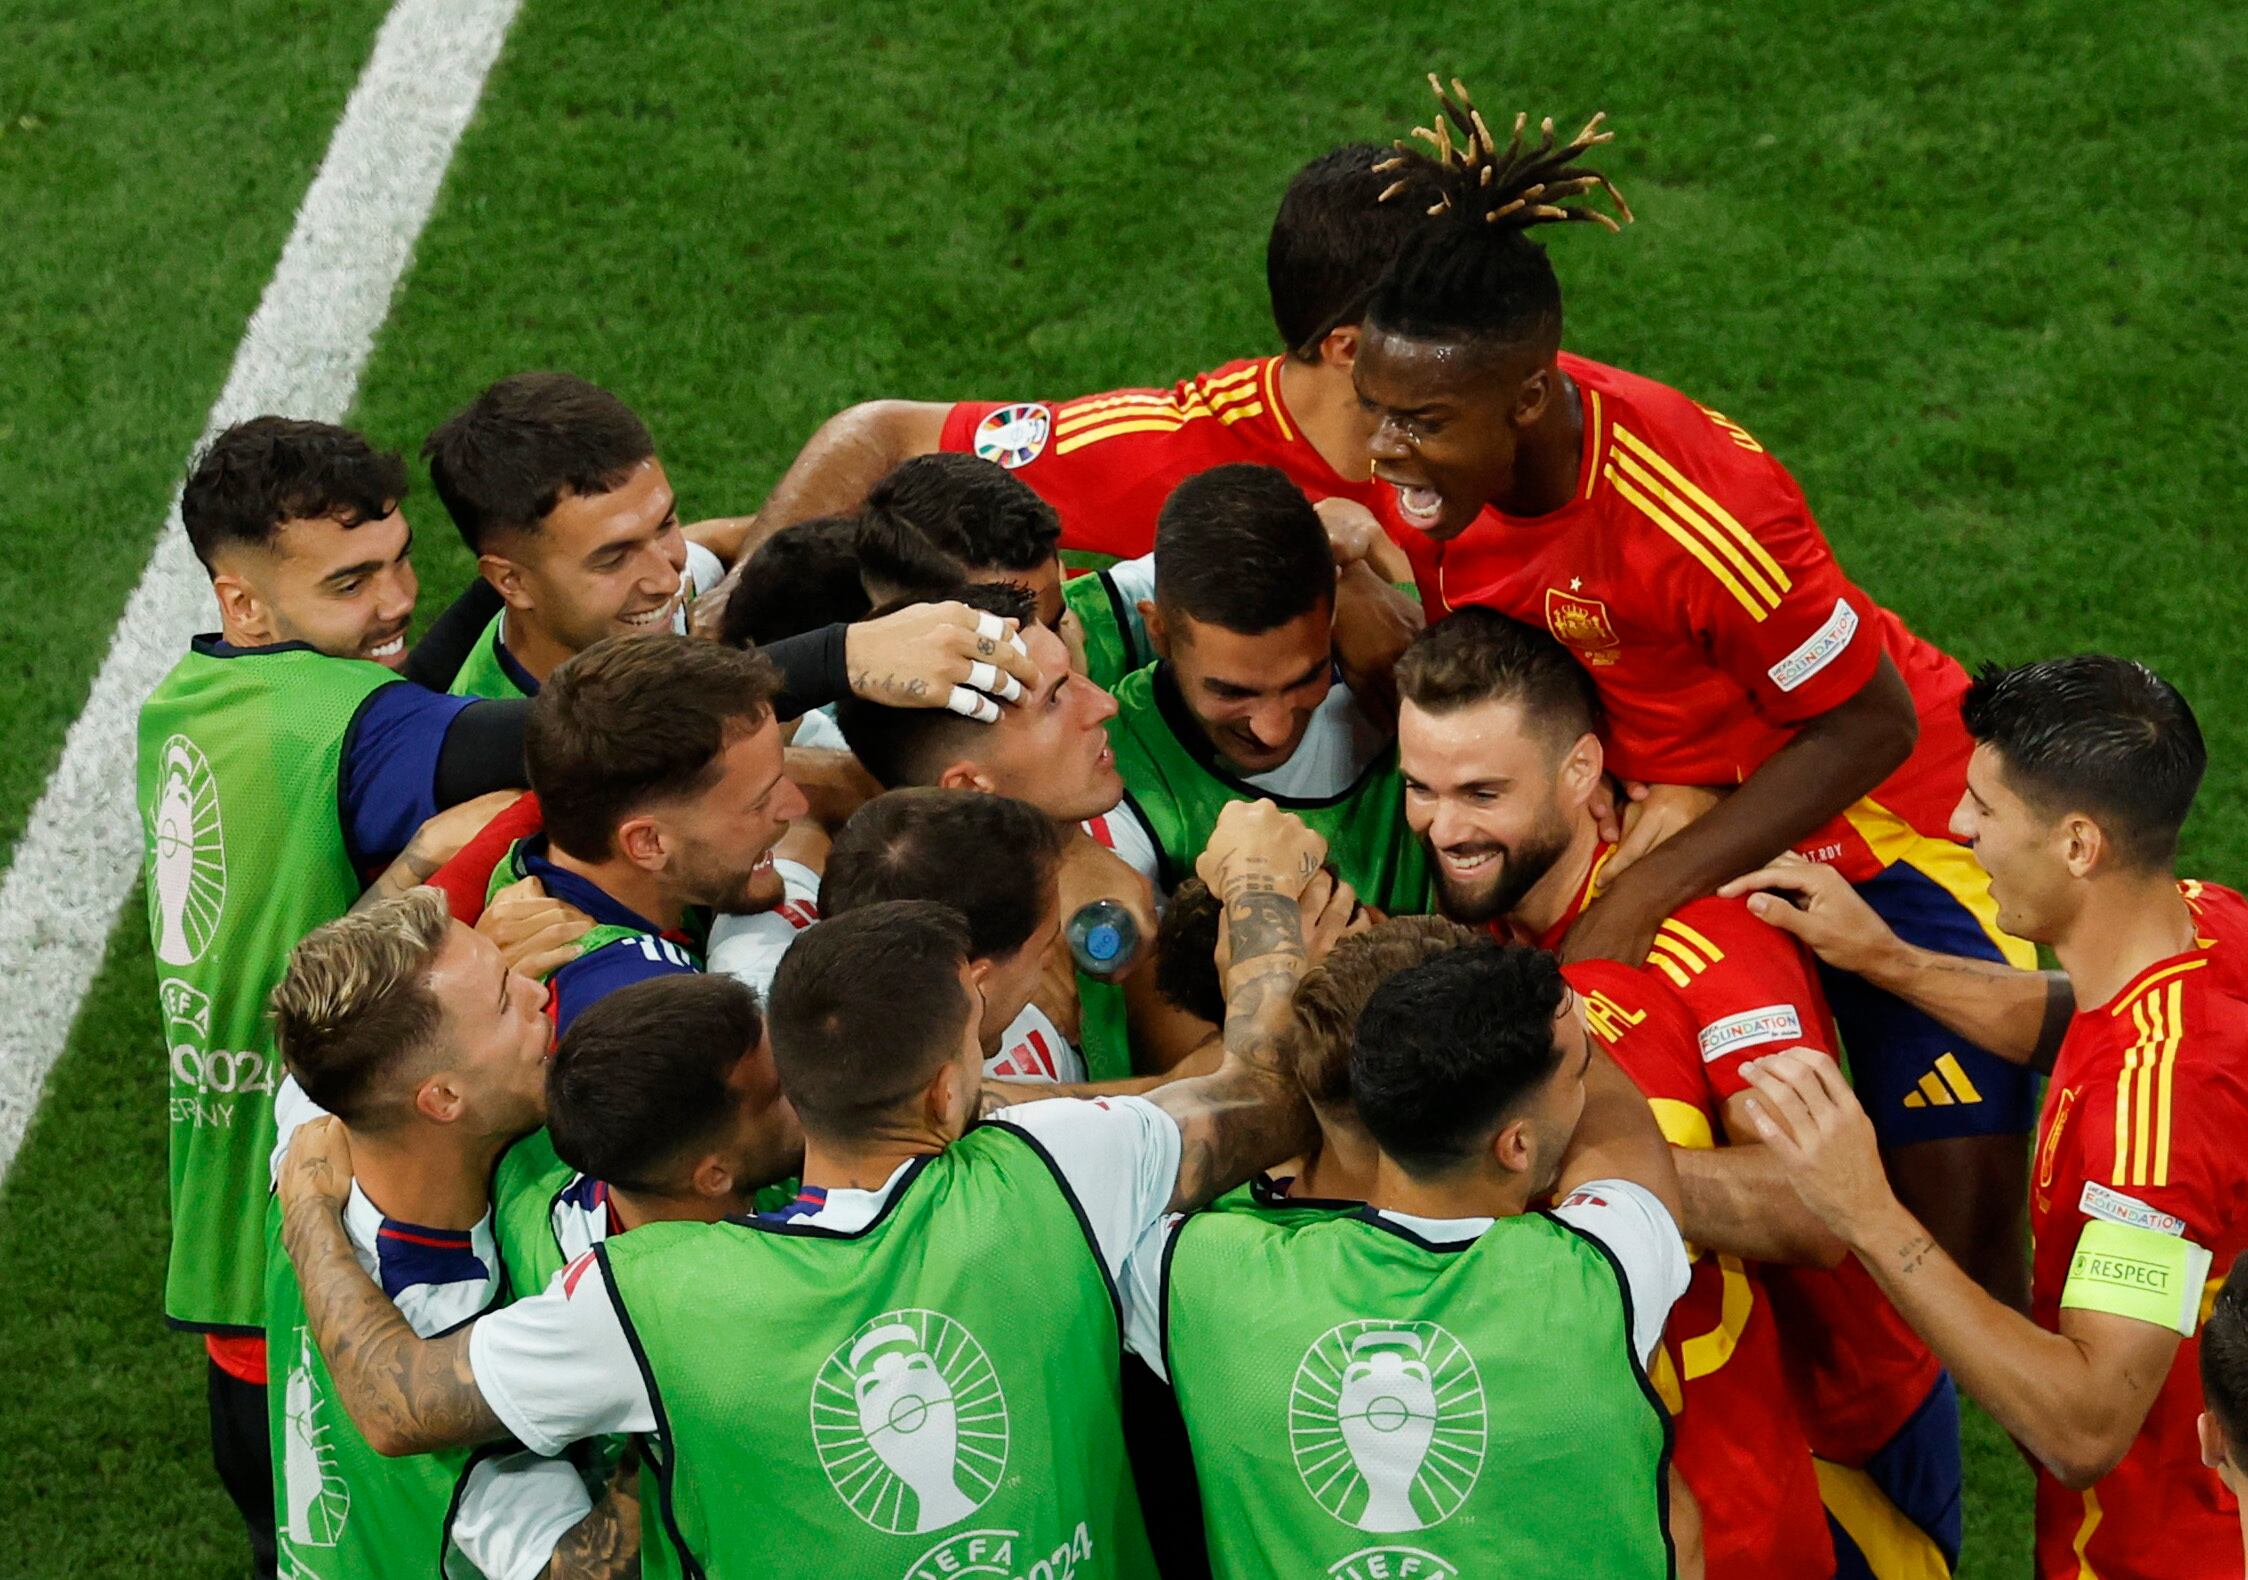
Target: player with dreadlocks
[(1765, 699)]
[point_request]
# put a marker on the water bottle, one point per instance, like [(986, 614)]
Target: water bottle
[(1104, 940)]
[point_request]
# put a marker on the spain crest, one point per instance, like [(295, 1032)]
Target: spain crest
[(1581, 625)]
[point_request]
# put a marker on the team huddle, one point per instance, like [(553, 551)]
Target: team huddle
[(1372, 965)]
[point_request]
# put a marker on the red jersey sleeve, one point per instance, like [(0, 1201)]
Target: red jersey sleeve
[(1104, 462), (465, 879), (1750, 989), (1644, 1029)]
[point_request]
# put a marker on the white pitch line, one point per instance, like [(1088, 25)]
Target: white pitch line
[(301, 356)]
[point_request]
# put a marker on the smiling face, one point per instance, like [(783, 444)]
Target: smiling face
[(1253, 696), (347, 591), (714, 847), (1495, 800), (2024, 851), (494, 1033), (1450, 418), (599, 564)]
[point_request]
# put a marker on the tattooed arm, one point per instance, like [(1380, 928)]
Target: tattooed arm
[(405, 1394), (605, 1545), (435, 843)]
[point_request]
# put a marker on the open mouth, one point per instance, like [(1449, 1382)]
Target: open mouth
[(1468, 863), (763, 863), (389, 648), (1419, 506), (656, 619)]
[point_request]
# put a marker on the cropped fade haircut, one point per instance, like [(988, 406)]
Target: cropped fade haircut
[(506, 459), (1475, 655), (990, 857), (639, 1082), (1331, 240), (865, 1009), (2095, 734), (1333, 995), (2224, 1362), (635, 720), (938, 517), (354, 1011), (912, 746), (1447, 1049), (1240, 547), (260, 473), (800, 579)]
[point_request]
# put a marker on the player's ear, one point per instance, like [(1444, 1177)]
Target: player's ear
[(1582, 768), (1512, 1146), (2212, 1441), (2083, 844), (1340, 349), (1535, 394), (438, 1099), (965, 775), (1158, 634), (641, 842), (939, 1097), (245, 611), (712, 1179), (506, 578)]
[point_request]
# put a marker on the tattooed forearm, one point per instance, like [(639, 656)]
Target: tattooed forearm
[(1913, 1255), (605, 1545), (1231, 1124), (410, 870), (406, 1394)]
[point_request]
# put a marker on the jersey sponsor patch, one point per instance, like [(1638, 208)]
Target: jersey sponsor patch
[(1751, 1029), (1014, 435), (2098, 1201), (2142, 1274), (1821, 648)]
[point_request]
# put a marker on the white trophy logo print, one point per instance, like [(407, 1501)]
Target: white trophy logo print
[(1387, 1423), (319, 1500), (187, 855), (910, 1423)]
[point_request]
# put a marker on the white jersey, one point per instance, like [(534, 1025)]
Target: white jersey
[(1628, 1219), (557, 1367), (704, 571), (1120, 830), (749, 948), (819, 729), (1033, 1049)]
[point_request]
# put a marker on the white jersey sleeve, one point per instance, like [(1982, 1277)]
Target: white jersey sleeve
[(512, 1510), (749, 948), (1643, 1237), (705, 569), (291, 1108), (1121, 830), (1140, 1291), (819, 729), (557, 1367), (1032, 1048), (1120, 1157)]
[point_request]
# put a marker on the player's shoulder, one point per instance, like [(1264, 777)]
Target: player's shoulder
[(1630, 1006)]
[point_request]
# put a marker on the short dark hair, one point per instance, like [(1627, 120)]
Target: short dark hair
[(354, 1008), (1186, 952), (800, 579), (990, 857), (635, 719), (1477, 655), (1241, 547), (911, 746), (503, 462), (937, 516), (1331, 240), (638, 1082), (1446, 1049), (1333, 995), (2224, 1361), (257, 474), (865, 1008), (2095, 734)]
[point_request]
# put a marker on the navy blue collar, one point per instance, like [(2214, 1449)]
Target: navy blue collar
[(211, 644), (508, 665), (575, 889)]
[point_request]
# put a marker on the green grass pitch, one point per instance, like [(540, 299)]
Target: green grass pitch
[(1968, 269)]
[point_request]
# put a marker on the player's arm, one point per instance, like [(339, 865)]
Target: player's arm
[(405, 1394), (1737, 1200), (849, 454), (1249, 1113), (1618, 1138), (605, 1545), (724, 536), (1832, 760), (2074, 1399), (2018, 1015)]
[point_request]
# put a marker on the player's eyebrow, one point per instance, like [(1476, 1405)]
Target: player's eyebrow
[(363, 568)]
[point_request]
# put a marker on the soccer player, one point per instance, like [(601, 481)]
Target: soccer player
[(938, 520), (1498, 743), (282, 764), (932, 844), (555, 486), (1106, 462), (1740, 669), (658, 765), (947, 1293), (1243, 700), (1446, 1380), (413, 1032), (2084, 771), (2224, 1388)]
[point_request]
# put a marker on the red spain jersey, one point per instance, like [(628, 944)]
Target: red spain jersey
[(1107, 462), (1741, 1445), (1689, 578), (2145, 1121), (1855, 1366)]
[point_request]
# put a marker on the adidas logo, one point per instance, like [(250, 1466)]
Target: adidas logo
[(1943, 1086)]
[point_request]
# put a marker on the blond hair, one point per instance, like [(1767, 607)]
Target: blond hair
[(1333, 994), (354, 1005)]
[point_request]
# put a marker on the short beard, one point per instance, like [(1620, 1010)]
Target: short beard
[(1520, 869)]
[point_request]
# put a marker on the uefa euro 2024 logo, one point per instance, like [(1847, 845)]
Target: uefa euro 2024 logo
[(186, 854), (909, 1422), (1387, 1423)]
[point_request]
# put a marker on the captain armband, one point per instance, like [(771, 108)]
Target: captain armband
[(2129, 1271)]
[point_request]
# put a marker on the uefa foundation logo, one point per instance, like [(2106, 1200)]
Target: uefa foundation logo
[(909, 1422), (187, 855), (1387, 1423)]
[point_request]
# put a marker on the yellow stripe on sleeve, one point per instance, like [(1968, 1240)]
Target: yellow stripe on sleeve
[(1709, 507), (1678, 929), (2174, 1010), (1690, 543), (1078, 441), (1269, 378), (1687, 517)]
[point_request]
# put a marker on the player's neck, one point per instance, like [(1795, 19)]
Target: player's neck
[(1551, 896), (1343, 1166), (531, 645), (1323, 404), (2126, 926), (1473, 1194), (1549, 457), (438, 1176), (630, 886), (867, 1162), (634, 1208)]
